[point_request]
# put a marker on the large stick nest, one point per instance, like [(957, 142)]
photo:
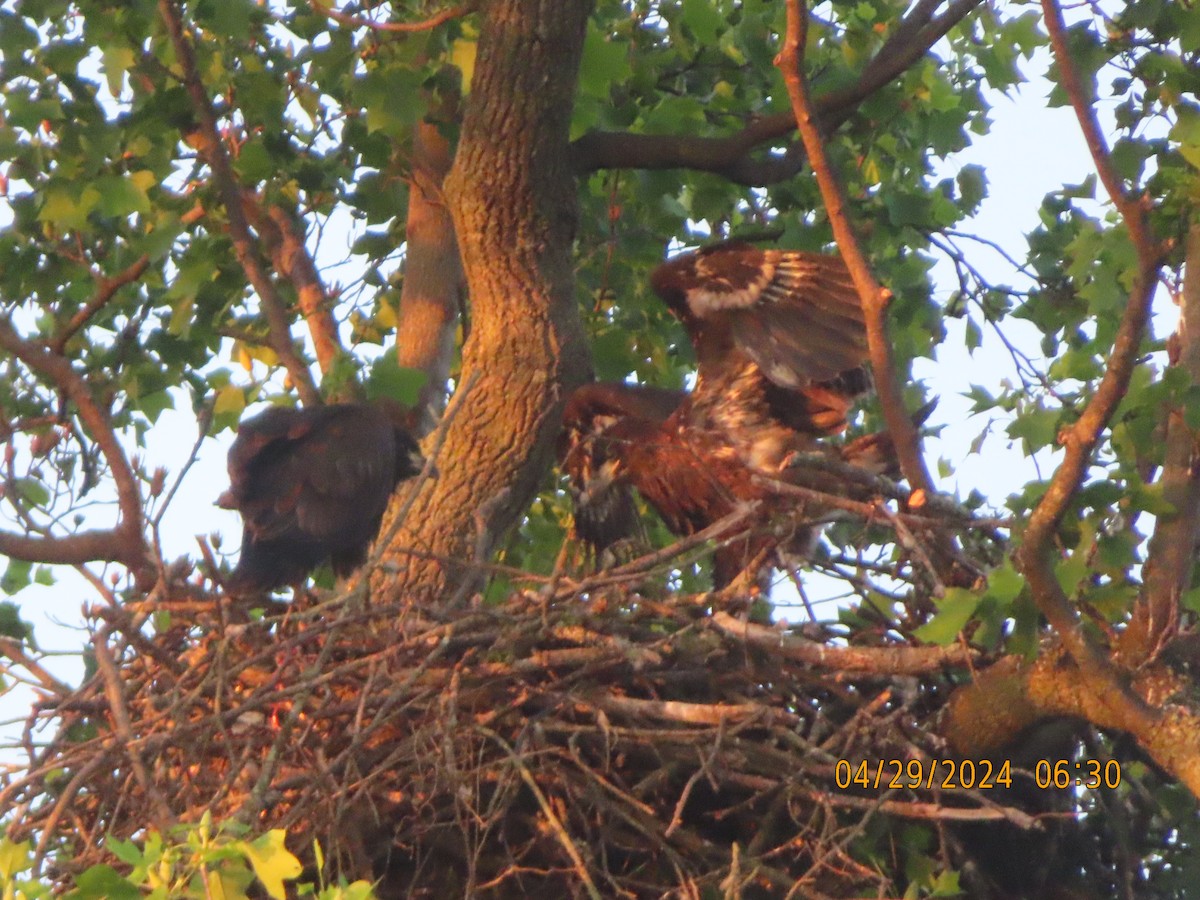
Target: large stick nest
[(541, 748)]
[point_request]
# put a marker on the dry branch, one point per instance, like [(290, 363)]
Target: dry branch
[(617, 762)]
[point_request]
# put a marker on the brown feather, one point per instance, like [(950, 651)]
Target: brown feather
[(312, 485)]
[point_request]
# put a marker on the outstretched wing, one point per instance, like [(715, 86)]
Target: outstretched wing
[(796, 315)]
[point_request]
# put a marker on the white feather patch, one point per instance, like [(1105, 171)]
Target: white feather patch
[(721, 295)]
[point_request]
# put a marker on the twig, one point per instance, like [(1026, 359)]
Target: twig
[(114, 691), (851, 660), (11, 648), (548, 811), (106, 289)]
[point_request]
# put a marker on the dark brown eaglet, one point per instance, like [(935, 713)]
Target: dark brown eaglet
[(312, 485)]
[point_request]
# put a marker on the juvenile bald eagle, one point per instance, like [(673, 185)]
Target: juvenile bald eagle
[(312, 485), (780, 345), (620, 437)]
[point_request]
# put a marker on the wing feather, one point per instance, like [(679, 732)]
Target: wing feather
[(796, 314)]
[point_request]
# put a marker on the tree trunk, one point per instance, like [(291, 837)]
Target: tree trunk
[(513, 197), (433, 278)]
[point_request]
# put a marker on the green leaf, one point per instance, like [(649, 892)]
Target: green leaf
[(972, 185), (392, 100), (104, 883), (1005, 583), (14, 858), (1037, 427), (605, 64), (705, 22), (115, 61), (1186, 132), (389, 379), (11, 623), (255, 163), (272, 863), (16, 577), (122, 196), (229, 399), (1190, 600), (32, 491), (66, 209), (954, 611), (152, 405), (1072, 570), (126, 851)]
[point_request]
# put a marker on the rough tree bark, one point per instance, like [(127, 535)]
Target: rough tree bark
[(433, 288), (513, 198)]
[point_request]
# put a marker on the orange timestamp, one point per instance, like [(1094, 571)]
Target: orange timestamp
[(967, 774), (947, 774)]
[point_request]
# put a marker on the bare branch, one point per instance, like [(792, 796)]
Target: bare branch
[(124, 542), (874, 297), (114, 691), (69, 550), (897, 660), (15, 652)]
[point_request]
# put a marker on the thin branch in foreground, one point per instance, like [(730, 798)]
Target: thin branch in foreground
[(875, 298)]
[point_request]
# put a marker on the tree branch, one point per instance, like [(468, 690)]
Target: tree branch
[(731, 156), (514, 201), (213, 152), (106, 289), (283, 235), (987, 715), (1172, 552), (125, 542), (875, 298), (69, 550), (434, 288), (1036, 554), (897, 660), (454, 12)]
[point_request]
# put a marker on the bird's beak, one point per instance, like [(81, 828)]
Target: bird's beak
[(226, 500)]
